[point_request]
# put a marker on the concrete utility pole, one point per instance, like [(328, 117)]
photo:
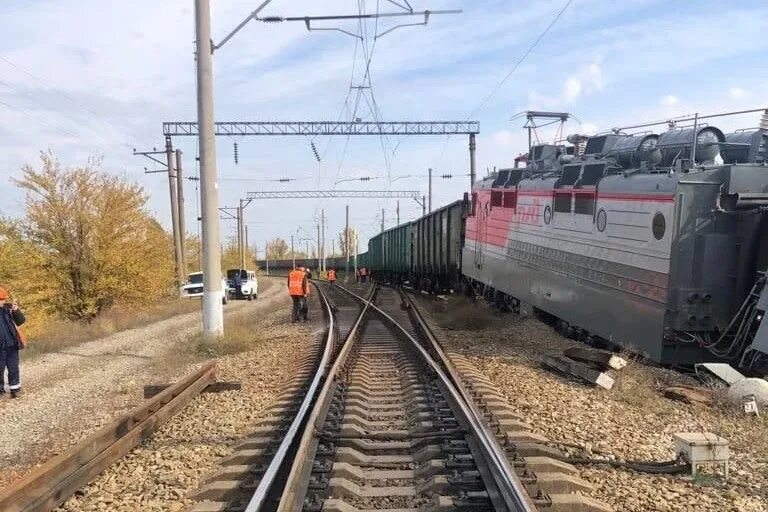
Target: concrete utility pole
[(382, 220), (182, 215), (472, 147), (246, 240), (242, 243), (213, 310), (322, 232), (174, 192), (266, 255), (319, 257), (430, 190), (356, 251), (175, 185), (293, 254), (423, 205), (398, 213), (346, 243)]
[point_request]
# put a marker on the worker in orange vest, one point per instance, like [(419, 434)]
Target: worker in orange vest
[(298, 289), (332, 277)]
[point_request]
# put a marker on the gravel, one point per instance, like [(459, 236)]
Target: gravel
[(631, 422), (68, 395), (162, 473)]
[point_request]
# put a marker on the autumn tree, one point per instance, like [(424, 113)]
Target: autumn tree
[(230, 255), (98, 246), (278, 249), (352, 241)]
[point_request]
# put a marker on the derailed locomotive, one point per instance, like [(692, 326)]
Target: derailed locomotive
[(655, 242)]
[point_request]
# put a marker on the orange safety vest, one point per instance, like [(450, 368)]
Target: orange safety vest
[(331, 275), (296, 280)]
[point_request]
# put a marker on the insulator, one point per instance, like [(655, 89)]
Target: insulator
[(236, 153), (764, 120), (314, 150), (580, 146)]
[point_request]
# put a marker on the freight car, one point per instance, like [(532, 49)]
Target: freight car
[(654, 242), (282, 266), (426, 252)]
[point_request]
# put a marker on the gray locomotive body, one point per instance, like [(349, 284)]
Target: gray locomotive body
[(644, 241)]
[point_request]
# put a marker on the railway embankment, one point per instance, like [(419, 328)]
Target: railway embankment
[(633, 421), (71, 393)]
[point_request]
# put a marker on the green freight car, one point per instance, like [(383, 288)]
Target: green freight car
[(425, 253)]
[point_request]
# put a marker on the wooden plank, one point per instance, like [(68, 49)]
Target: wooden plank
[(689, 395), (604, 358), (51, 484), (579, 370), (151, 390)]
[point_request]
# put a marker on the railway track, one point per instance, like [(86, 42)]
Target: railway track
[(50, 484), (396, 425)]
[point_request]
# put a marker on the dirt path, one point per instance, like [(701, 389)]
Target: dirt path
[(68, 395)]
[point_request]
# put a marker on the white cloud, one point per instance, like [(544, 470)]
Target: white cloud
[(572, 89), (588, 128), (669, 100), (737, 93), (587, 80)]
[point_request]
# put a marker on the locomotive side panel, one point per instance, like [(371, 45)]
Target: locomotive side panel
[(608, 277)]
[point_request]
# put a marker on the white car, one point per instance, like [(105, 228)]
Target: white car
[(242, 284), (194, 287)]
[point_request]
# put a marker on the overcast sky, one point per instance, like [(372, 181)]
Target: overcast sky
[(92, 77)]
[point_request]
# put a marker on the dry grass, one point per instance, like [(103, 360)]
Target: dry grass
[(58, 334), (241, 334)]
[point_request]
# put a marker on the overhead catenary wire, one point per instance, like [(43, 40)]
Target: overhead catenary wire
[(512, 71), (74, 101)]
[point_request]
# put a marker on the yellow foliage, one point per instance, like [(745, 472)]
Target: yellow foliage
[(230, 256), (87, 243)]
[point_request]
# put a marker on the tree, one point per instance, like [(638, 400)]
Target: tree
[(98, 244), (352, 241), (230, 255), (278, 249)]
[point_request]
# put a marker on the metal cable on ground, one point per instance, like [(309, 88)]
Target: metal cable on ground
[(669, 467), (663, 467)]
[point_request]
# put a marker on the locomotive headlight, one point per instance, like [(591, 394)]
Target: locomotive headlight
[(708, 144)]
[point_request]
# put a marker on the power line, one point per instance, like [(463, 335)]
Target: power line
[(510, 73), (34, 117), (521, 59), (69, 97)]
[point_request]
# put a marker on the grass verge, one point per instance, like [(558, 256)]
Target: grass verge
[(240, 335), (59, 334)]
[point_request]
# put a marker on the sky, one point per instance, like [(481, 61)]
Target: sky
[(98, 78)]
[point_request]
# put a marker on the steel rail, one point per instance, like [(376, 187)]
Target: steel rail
[(296, 484), (513, 493), (261, 493), (49, 485)]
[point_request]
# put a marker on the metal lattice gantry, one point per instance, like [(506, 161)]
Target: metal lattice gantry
[(349, 194), (244, 128)]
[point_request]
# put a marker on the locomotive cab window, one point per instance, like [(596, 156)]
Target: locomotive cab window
[(562, 202), (496, 198), (585, 203), (510, 199)]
